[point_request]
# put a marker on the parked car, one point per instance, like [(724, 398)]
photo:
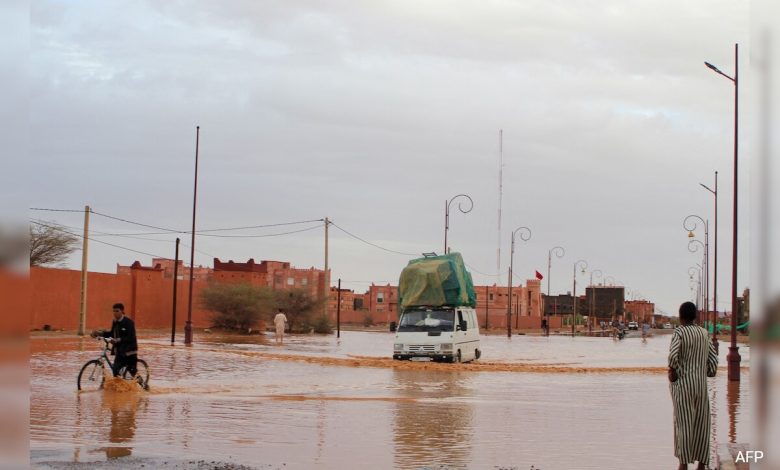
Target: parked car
[(632, 325), (667, 326)]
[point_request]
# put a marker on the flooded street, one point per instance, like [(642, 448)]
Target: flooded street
[(320, 402)]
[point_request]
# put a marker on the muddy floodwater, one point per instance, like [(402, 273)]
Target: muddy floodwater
[(320, 402)]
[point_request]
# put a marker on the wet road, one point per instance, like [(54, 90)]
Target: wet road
[(552, 403)]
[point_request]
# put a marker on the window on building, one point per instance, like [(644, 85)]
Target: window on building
[(304, 282), (380, 298), (290, 281), (490, 296)]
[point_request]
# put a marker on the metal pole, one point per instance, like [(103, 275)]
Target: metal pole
[(715, 273), (509, 287), (733, 357), (326, 280), (446, 223), (487, 309), (188, 325), (574, 301), (175, 283), (338, 311), (84, 269)]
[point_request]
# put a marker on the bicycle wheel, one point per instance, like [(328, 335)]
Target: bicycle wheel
[(91, 376), (142, 374)]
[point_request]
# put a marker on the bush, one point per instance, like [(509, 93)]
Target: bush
[(322, 324), (237, 306), (300, 308)]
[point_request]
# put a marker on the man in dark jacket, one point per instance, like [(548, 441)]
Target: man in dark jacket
[(122, 334)]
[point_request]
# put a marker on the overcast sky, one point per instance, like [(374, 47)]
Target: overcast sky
[(374, 113)]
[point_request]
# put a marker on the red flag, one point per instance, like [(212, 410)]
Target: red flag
[(539, 275)]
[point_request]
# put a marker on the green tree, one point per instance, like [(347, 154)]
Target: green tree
[(300, 307), (237, 306)]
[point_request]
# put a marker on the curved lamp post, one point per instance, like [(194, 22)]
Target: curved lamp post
[(608, 282), (559, 252), (693, 247), (689, 224), (733, 358), (692, 271), (583, 265), (714, 192), (525, 235), (447, 214)]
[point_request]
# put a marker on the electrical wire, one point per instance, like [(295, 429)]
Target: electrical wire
[(98, 241), (369, 243)]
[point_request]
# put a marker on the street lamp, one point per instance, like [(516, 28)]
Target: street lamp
[(608, 282), (559, 252), (525, 235), (447, 214), (583, 265), (715, 267), (593, 297), (733, 357), (692, 271), (690, 224)]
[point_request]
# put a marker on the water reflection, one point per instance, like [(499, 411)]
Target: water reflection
[(122, 408), (436, 427), (732, 397)]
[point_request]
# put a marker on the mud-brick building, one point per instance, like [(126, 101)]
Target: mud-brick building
[(640, 311), (278, 275)]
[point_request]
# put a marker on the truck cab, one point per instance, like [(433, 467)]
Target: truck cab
[(447, 334)]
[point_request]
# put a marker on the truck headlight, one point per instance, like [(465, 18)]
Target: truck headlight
[(398, 347), (445, 346)]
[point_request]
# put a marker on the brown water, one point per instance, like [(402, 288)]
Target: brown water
[(320, 402)]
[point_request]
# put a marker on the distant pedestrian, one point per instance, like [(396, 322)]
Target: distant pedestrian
[(280, 321), (645, 330), (692, 358)]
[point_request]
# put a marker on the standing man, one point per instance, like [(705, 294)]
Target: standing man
[(122, 334), (280, 321), (692, 358)]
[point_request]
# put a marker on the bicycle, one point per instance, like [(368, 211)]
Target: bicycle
[(92, 374)]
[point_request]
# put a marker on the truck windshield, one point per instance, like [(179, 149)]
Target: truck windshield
[(430, 320)]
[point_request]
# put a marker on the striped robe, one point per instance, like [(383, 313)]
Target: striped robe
[(693, 356)]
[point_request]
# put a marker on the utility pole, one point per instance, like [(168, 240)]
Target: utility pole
[(487, 308), (84, 253), (326, 283), (338, 311), (175, 282), (188, 324)]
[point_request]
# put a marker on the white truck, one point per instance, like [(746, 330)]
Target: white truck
[(447, 334)]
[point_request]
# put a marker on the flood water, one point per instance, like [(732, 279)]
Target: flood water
[(547, 402)]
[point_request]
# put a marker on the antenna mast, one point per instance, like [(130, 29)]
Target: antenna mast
[(500, 194)]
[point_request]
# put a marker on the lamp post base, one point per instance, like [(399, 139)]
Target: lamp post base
[(733, 359), (188, 332)]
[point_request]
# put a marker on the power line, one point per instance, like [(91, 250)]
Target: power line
[(137, 223), (55, 210), (98, 241), (372, 244)]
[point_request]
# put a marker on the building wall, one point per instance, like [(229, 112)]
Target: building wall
[(640, 310), (147, 296)]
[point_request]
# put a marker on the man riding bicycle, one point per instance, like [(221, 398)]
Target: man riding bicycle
[(122, 334)]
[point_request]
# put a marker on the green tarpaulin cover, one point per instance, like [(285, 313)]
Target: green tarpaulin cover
[(436, 281)]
